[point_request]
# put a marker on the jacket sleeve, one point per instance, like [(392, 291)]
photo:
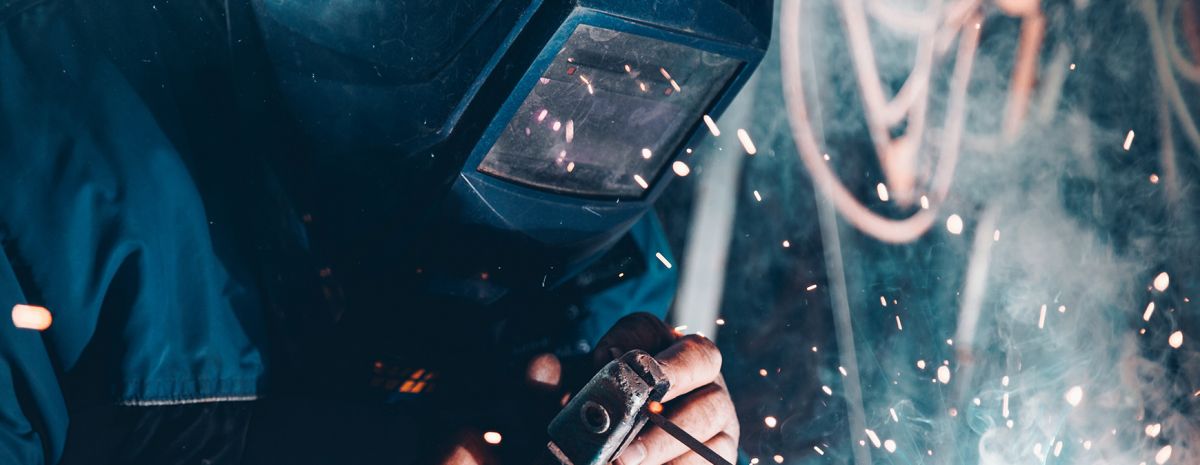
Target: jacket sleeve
[(33, 415)]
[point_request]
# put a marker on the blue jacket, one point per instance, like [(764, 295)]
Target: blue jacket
[(108, 219)]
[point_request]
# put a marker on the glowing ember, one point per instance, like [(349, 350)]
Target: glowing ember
[(770, 422), (492, 437), (1163, 455), (1074, 396), (646, 153), (31, 317), (655, 407), (747, 144), (681, 169), (943, 374), (954, 224), (712, 125), (1162, 281), (663, 259), (641, 181), (874, 438), (882, 190), (1128, 140), (1176, 339)]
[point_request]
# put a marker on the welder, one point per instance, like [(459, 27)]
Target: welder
[(363, 231)]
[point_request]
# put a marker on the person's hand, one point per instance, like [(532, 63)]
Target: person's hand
[(697, 401)]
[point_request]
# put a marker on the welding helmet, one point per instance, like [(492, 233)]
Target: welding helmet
[(546, 126)]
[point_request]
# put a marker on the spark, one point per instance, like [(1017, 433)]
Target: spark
[(1058, 448), (744, 138), (1004, 381), (1004, 406), (843, 371), (762, 372), (1128, 140), (646, 153), (954, 413), (663, 259), (757, 196), (890, 445), (754, 461), (588, 83), (570, 130), (492, 437), (921, 364), (655, 407), (1153, 178), (556, 126), (809, 288), (924, 202), (541, 116), (1176, 339), (882, 190), (949, 342), (1152, 430), (1149, 311), (943, 374), (770, 422), (720, 322), (826, 157), (570, 166), (681, 169), (1072, 66), (1087, 445), (819, 451), (1062, 309), (895, 418), (1074, 396), (1163, 455), (828, 391), (641, 181), (628, 69), (874, 438), (814, 348), (954, 224), (976, 401), (882, 301), (899, 325), (642, 85), (778, 458), (786, 243), (675, 85), (1162, 281), (664, 72), (712, 125), (31, 317), (681, 328), (1042, 317), (996, 236)]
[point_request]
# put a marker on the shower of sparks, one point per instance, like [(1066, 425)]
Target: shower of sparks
[(646, 153), (492, 437), (1128, 140), (663, 259), (874, 438), (1162, 281), (712, 125), (810, 288), (1149, 312), (1074, 396), (943, 374), (954, 224), (1176, 339), (770, 422), (744, 138), (1163, 455), (1153, 429), (757, 196), (924, 202), (882, 190), (1042, 317), (641, 181), (31, 317), (681, 169), (899, 325), (890, 445)]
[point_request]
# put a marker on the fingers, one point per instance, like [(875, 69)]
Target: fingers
[(723, 444), (691, 362), (705, 413), (636, 331)]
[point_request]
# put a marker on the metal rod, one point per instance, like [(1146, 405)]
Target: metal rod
[(694, 444)]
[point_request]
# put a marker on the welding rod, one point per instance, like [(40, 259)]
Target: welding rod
[(687, 439)]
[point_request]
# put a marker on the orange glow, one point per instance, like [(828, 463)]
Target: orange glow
[(31, 317), (655, 407)]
